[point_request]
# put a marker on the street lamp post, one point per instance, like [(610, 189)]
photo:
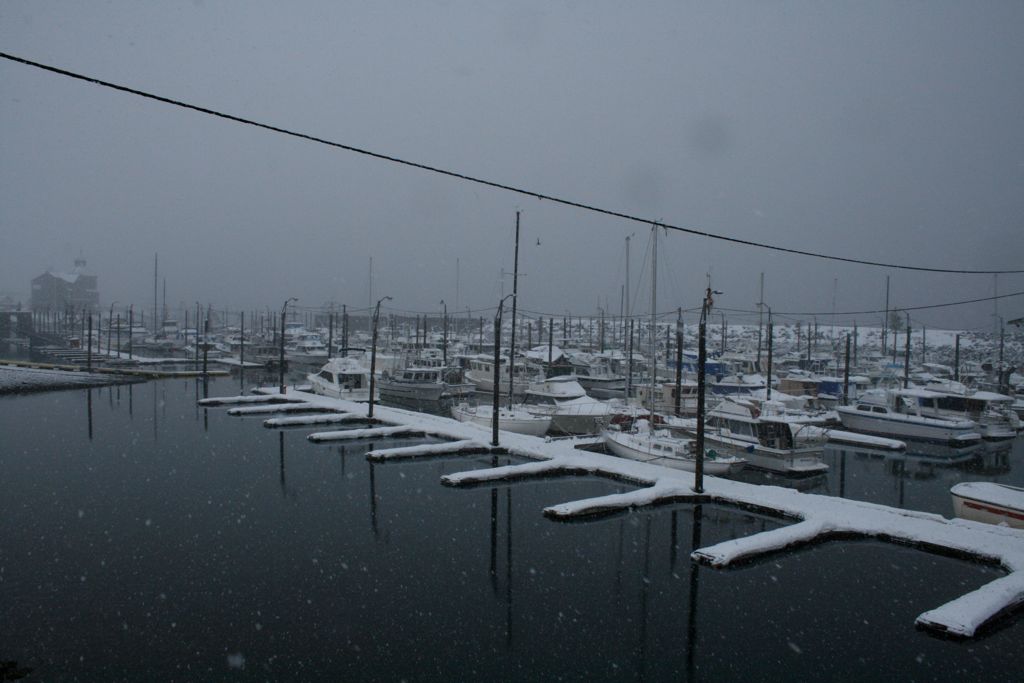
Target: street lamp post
[(373, 353), (284, 311)]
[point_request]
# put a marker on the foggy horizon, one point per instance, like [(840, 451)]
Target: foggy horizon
[(877, 132)]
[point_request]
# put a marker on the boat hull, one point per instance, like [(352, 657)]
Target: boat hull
[(898, 426), (797, 461), (990, 503), (518, 422), (624, 447)]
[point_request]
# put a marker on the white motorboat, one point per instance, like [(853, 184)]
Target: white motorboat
[(515, 420), (342, 378), (896, 414), (480, 373), (665, 397), (416, 385), (738, 385), (564, 400), (306, 348), (594, 373), (992, 412), (658, 447), (766, 442), (989, 502)]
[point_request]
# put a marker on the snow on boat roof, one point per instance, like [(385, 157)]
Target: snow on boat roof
[(919, 393), (989, 396), (990, 492)]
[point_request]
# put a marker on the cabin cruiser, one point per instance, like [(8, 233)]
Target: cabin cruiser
[(738, 384), (658, 447), (571, 410), (515, 419), (767, 442), (415, 385), (480, 373), (342, 378), (993, 413), (665, 397), (896, 413), (596, 376), (306, 348)]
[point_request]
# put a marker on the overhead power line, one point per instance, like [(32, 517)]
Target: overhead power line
[(900, 309), (490, 183)]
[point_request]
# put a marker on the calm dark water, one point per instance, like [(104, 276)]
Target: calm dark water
[(149, 539)]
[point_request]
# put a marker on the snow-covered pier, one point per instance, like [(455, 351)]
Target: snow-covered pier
[(816, 517), (16, 378)]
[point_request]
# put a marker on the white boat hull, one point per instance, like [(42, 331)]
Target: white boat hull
[(632, 448), (900, 426), (990, 503), (798, 461), (516, 421)]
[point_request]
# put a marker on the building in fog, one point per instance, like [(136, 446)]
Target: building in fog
[(53, 291)]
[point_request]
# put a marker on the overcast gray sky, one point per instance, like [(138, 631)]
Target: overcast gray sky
[(874, 130)]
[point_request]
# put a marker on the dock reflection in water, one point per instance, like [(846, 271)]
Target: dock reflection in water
[(196, 543)]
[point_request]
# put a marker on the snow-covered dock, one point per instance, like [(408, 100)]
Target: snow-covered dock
[(14, 379), (816, 517)]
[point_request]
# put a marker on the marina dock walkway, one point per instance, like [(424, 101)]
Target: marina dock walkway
[(816, 517)]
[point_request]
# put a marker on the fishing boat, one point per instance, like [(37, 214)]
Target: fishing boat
[(517, 420), (658, 447), (342, 378), (989, 502), (896, 413), (767, 443)]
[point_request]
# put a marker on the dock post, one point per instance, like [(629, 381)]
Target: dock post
[(771, 336), (88, 353), (698, 482), (280, 366), (497, 378), (956, 359), (373, 354), (241, 354), (679, 359), (330, 333), (846, 374), (906, 357)]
